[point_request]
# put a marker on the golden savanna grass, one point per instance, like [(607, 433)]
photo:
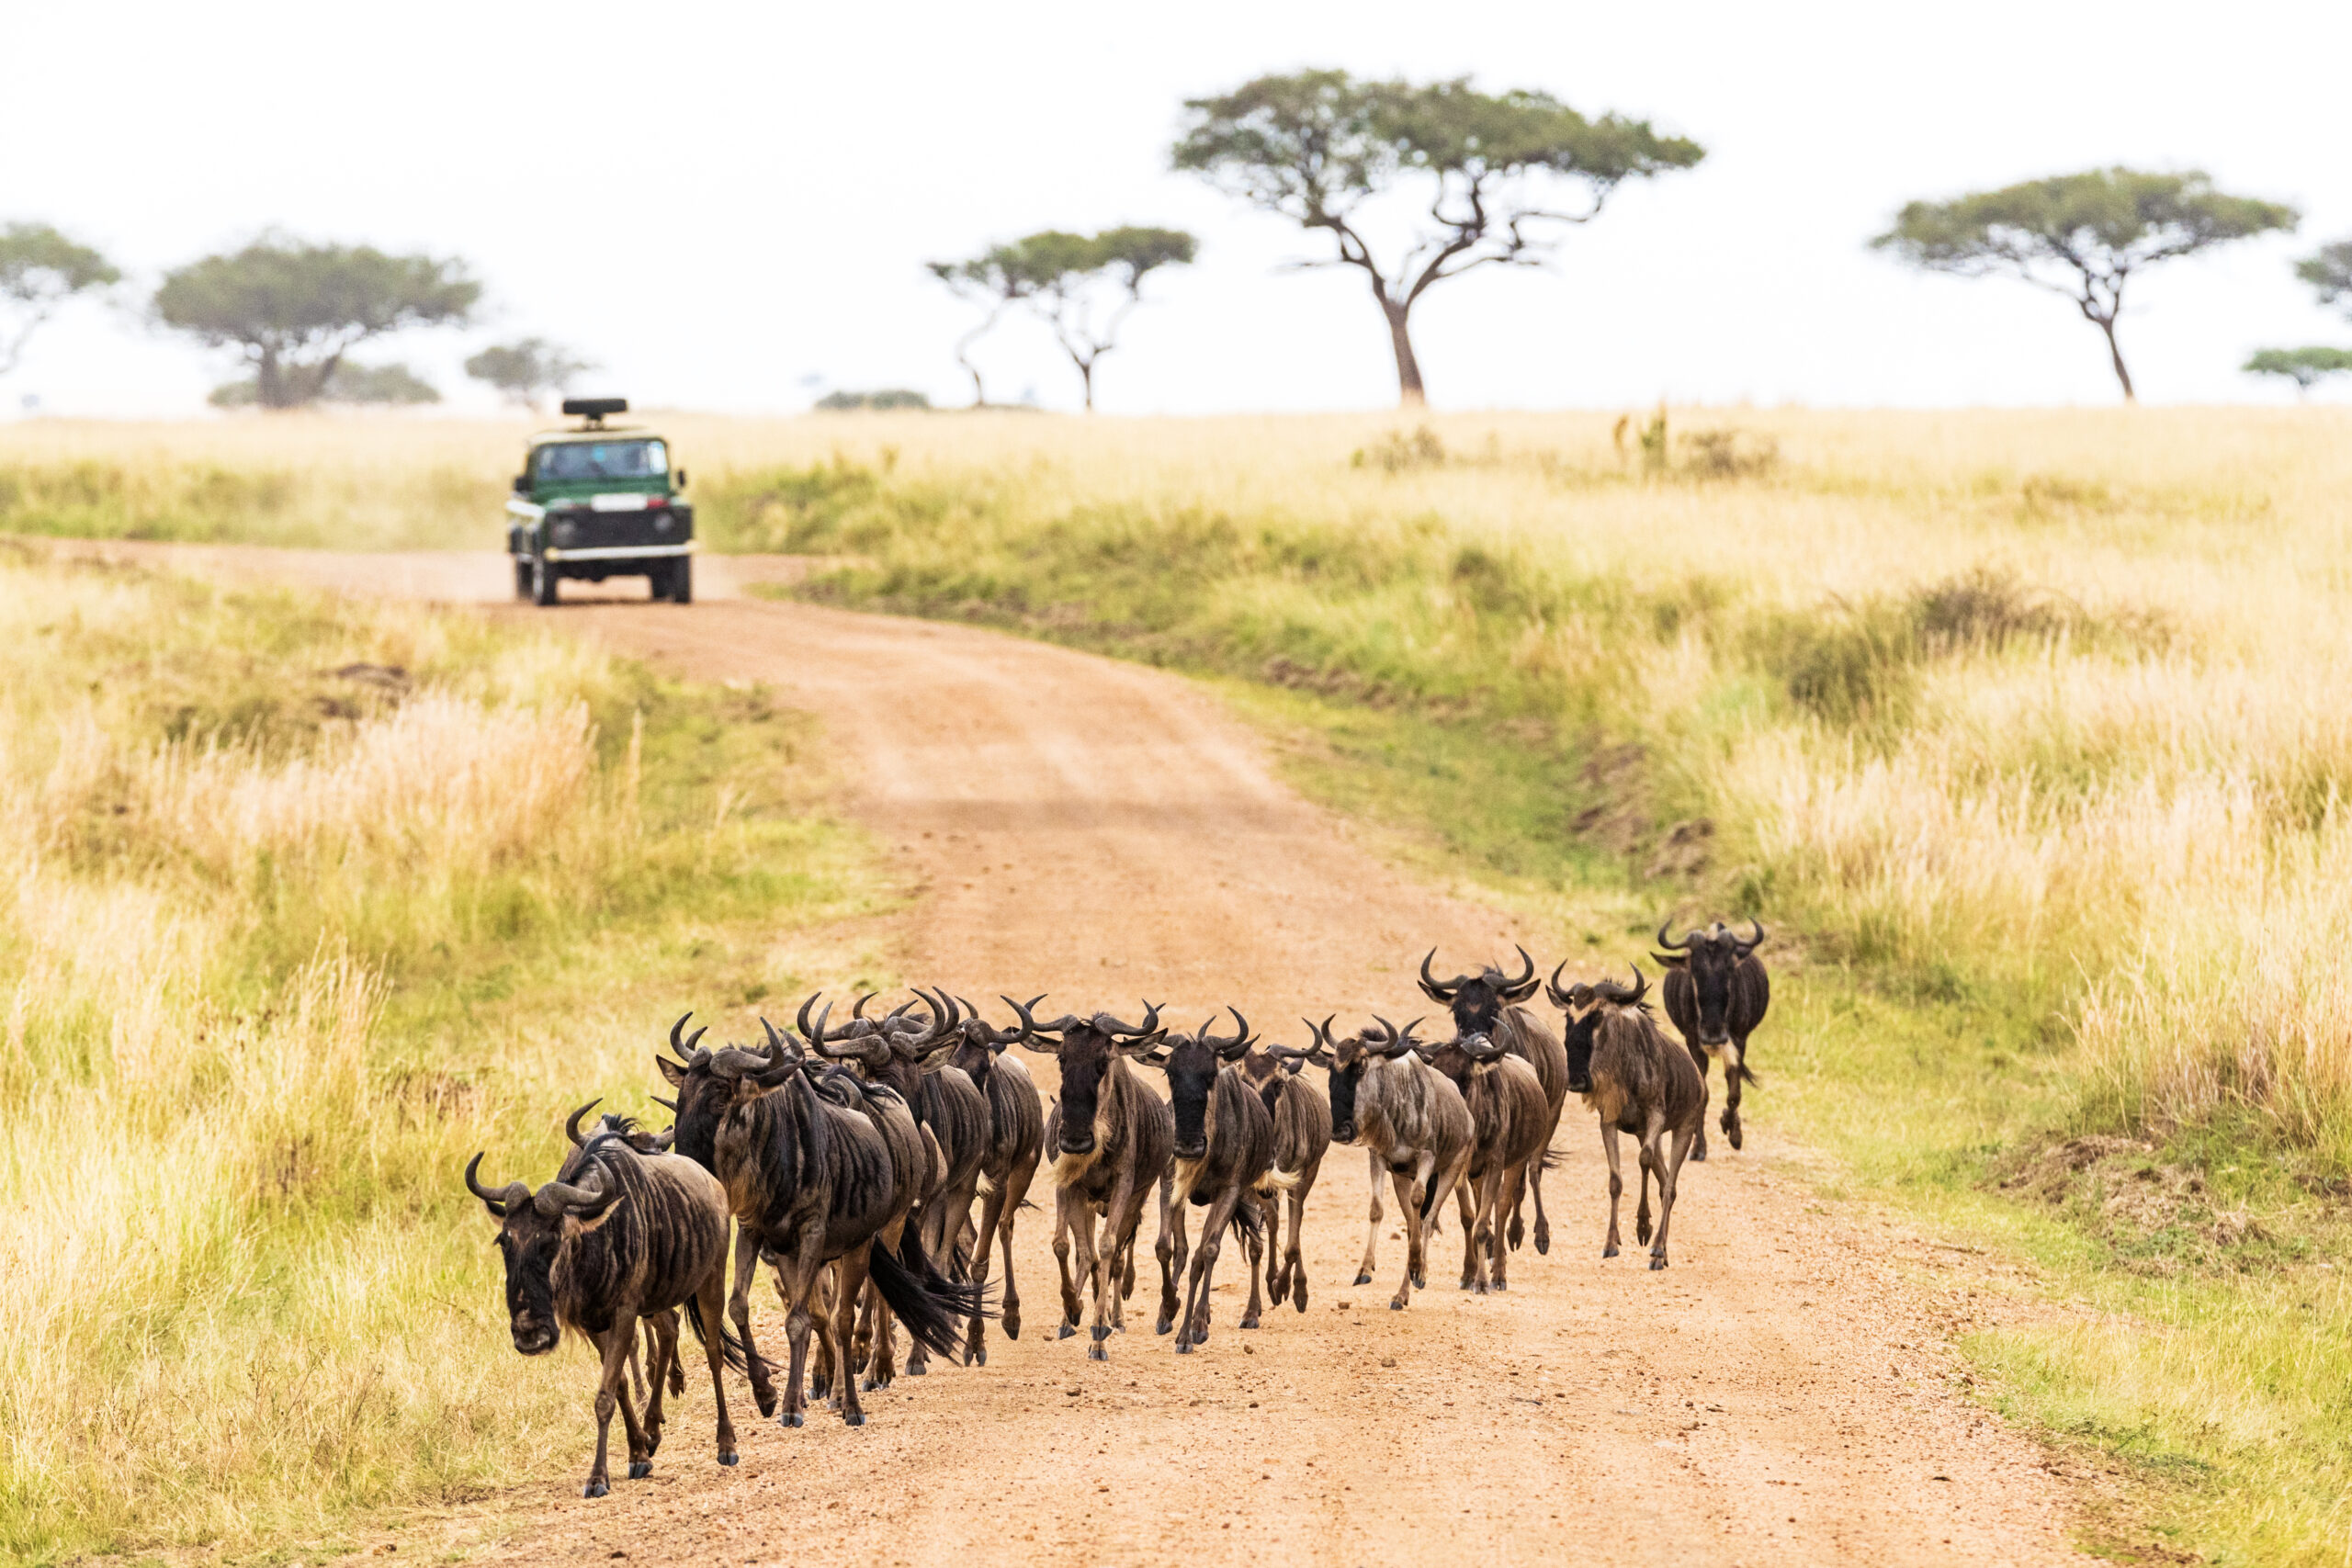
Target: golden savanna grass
[(2026, 730), (282, 948)]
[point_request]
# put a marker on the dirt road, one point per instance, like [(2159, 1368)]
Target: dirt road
[(1103, 833)]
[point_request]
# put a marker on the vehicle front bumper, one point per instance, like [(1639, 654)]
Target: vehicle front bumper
[(619, 552)]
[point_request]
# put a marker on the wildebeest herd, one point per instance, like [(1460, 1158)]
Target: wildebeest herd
[(849, 1159)]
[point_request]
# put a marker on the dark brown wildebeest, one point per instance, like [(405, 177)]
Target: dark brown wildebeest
[(1112, 1139), (1636, 1082), (1510, 1126), (1413, 1124), (616, 1236), (913, 1059), (816, 1173), (1302, 1118), (1224, 1150), (1715, 991), (661, 1328), (1486, 1003), (1016, 1136)]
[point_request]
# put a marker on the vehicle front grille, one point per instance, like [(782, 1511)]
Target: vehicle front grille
[(584, 530)]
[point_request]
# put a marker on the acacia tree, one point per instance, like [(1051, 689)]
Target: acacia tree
[(1085, 286), (994, 281), (2330, 274), (527, 370), (1505, 177), (295, 309), (40, 270), (2082, 236), (2304, 366)]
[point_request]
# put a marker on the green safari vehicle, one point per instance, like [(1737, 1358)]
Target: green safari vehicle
[(599, 500)]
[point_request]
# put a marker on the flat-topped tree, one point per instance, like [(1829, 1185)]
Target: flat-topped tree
[(526, 371), (1085, 284), (40, 270), (296, 310), (2329, 272), (1502, 177), (2304, 366), (2082, 236)]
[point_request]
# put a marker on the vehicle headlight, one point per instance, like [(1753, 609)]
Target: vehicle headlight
[(565, 533), (662, 523)]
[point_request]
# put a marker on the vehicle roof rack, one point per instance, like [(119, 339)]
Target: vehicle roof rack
[(594, 410)]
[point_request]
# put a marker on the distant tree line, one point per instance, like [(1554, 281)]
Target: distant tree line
[(1467, 178)]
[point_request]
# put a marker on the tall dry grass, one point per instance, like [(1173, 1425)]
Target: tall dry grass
[(279, 949)]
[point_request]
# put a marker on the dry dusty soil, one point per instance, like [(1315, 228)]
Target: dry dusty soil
[(1782, 1394)]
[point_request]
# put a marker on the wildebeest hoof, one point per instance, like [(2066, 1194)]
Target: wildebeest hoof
[(1299, 1298), (639, 1469), (1251, 1322), (1363, 1279), (855, 1419), (767, 1404), (1420, 1282), (1183, 1347), (1096, 1353), (1658, 1262), (1397, 1307), (1100, 1332), (1699, 1156), (917, 1371), (1514, 1233), (1065, 1331), (595, 1489), (730, 1460), (1608, 1252), (979, 1355), (1542, 1244), (1502, 1284), (791, 1418), (1734, 1136)]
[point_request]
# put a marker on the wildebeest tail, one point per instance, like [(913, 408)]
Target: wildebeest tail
[(1748, 1076), (736, 1354), (1248, 1221), (934, 1310)]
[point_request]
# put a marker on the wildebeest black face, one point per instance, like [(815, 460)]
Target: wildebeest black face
[(527, 1241), (1477, 1001), (1347, 1064), (1192, 1068), (1085, 1057), (1579, 1045), (532, 1230)]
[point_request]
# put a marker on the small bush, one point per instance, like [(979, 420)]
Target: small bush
[(1397, 453), (889, 398)]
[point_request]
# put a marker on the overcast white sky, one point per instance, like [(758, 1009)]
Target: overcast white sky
[(721, 201)]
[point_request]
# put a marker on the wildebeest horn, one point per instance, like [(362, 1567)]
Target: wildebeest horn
[(1559, 997), (497, 1202), (1399, 1041), (779, 1048), (1487, 1049), (665, 1138), (1227, 1048), (669, 1105), (572, 1122), (1671, 946), (858, 1012), (578, 1200), (801, 1019), (1109, 1025), (686, 1048), (1622, 996), (1432, 987), (1518, 991), (1030, 1028), (734, 1062), (1752, 943)]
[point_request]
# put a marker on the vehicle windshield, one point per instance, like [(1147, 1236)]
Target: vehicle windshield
[(636, 458)]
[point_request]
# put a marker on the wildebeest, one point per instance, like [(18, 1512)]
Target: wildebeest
[(1715, 991), (1510, 1126), (816, 1173), (616, 1236), (1016, 1136), (1112, 1140), (1302, 1120), (913, 1060), (661, 1328), (1224, 1149), (1621, 1063), (1410, 1121), (1486, 1003)]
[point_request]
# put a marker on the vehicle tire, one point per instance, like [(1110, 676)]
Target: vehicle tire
[(682, 581), (522, 578), (543, 581)]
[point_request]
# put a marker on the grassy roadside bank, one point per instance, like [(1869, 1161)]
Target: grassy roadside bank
[(311, 899), (2028, 777)]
